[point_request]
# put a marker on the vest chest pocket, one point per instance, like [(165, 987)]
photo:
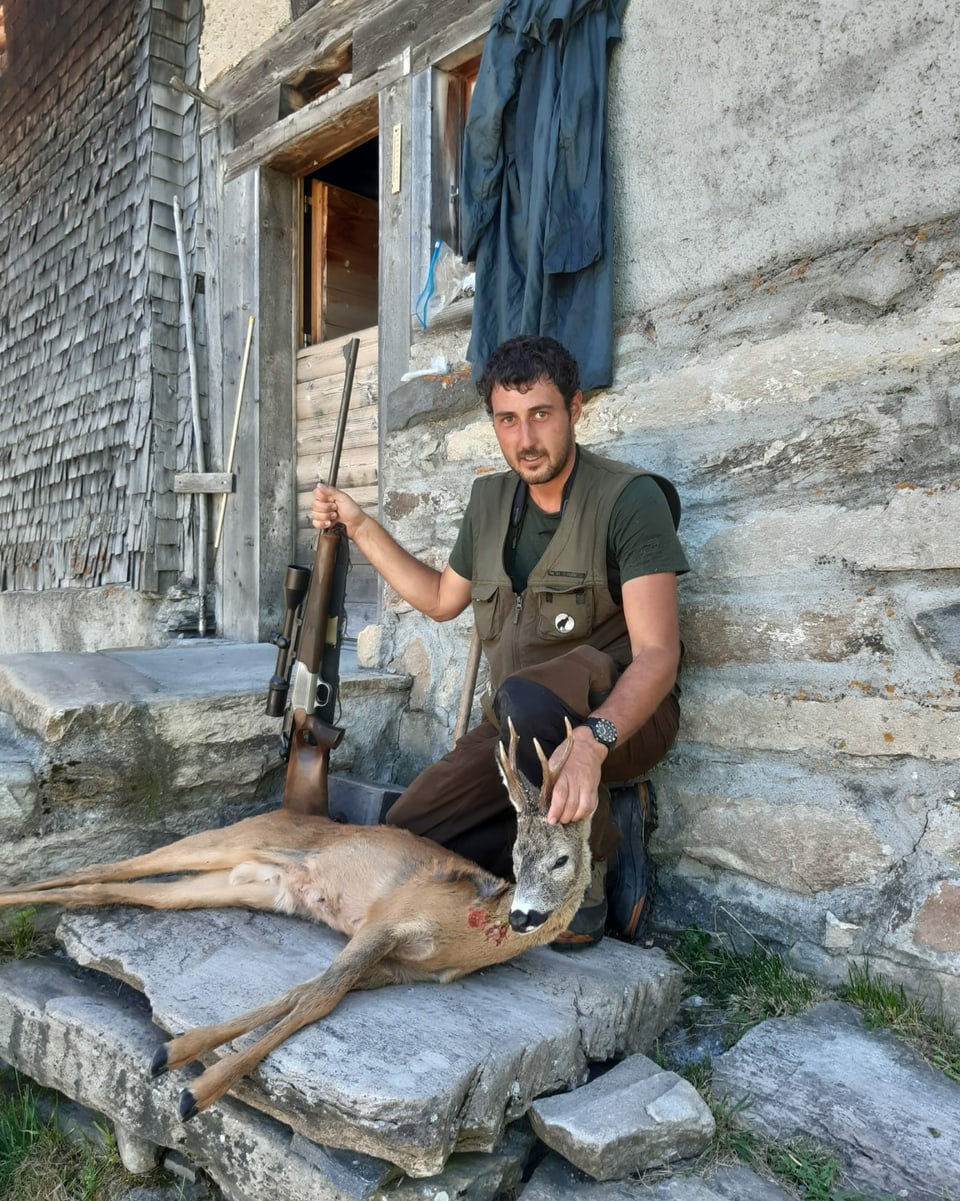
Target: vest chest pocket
[(487, 612), (565, 616)]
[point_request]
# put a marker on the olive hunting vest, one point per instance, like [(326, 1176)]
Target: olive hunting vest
[(567, 601)]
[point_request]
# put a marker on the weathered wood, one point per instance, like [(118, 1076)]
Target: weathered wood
[(460, 40), (319, 385), (207, 481), (365, 496), (312, 41), (358, 468), (316, 134), (349, 260), (417, 23), (277, 326), (318, 257), (317, 362), (395, 270)]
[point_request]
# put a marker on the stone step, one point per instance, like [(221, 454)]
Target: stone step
[(91, 1039), (139, 747), (407, 1075)]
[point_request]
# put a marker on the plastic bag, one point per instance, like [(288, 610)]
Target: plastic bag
[(448, 279)]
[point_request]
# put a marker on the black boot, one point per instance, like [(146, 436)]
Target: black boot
[(631, 880)]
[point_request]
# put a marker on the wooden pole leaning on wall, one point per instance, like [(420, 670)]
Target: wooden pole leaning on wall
[(469, 687), (236, 429)]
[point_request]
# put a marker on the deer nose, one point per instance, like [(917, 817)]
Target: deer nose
[(525, 920)]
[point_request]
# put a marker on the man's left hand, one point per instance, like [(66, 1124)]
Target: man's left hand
[(575, 792)]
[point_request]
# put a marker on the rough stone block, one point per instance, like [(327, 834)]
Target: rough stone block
[(556, 1180), (800, 847), (894, 1120), (635, 1116)]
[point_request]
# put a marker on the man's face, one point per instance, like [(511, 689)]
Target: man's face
[(535, 430)]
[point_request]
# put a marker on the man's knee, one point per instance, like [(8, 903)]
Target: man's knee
[(535, 712)]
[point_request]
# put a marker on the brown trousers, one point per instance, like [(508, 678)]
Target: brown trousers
[(461, 803)]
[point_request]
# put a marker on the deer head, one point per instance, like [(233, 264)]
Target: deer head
[(551, 863)]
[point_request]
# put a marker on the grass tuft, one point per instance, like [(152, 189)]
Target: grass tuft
[(18, 936), (38, 1162), (749, 988), (746, 989), (887, 1005)]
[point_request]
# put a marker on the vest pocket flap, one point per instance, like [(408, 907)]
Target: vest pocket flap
[(487, 612), (565, 615)]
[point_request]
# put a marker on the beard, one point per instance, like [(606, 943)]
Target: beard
[(547, 466)]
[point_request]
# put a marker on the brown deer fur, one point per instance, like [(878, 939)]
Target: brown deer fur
[(410, 909)]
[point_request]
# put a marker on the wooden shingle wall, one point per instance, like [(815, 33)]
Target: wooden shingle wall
[(91, 147)]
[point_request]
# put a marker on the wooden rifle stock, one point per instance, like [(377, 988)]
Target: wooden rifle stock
[(309, 730)]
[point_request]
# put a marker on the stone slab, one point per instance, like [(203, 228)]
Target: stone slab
[(634, 1117), (407, 1073), (557, 1180), (91, 1039), (146, 746), (894, 1119)]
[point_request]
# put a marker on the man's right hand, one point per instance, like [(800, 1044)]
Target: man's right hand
[(331, 507)]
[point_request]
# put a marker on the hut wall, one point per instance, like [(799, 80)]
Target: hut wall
[(92, 148)]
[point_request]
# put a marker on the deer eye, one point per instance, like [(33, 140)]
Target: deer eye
[(561, 862)]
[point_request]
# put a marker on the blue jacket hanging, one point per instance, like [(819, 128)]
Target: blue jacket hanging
[(535, 196)]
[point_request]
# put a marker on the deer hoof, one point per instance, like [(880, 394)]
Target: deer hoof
[(158, 1065), (188, 1105)]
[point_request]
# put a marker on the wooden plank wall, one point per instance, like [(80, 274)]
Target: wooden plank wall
[(93, 146), (320, 374), (71, 428), (170, 124)]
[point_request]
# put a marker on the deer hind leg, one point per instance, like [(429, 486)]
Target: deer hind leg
[(207, 850), (246, 886), (165, 860), (358, 966)]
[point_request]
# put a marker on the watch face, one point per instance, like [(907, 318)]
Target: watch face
[(603, 730)]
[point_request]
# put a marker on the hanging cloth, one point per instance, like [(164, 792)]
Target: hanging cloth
[(535, 196)]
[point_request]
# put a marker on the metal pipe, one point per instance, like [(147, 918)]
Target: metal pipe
[(200, 497)]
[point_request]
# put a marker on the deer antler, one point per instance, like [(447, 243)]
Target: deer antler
[(509, 765), (550, 777)]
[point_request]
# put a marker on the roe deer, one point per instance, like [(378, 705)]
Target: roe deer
[(410, 909)]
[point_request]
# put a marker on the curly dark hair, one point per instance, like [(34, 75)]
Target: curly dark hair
[(521, 362)]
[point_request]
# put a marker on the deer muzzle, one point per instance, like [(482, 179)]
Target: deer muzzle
[(524, 921)]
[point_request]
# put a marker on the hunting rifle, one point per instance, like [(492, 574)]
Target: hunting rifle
[(304, 689)]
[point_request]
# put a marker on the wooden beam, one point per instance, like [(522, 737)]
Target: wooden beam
[(207, 481), (379, 30), (323, 130), (433, 29), (313, 40)]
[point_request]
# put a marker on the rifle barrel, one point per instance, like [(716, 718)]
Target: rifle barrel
[(350, 352)]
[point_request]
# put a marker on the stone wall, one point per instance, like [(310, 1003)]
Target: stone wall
[(787, 351)]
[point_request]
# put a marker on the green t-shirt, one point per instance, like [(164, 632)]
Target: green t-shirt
[(641, 539)]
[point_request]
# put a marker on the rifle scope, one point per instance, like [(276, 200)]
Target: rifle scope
[(296, 580)]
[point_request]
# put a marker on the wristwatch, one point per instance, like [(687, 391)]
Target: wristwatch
[(603, 730)]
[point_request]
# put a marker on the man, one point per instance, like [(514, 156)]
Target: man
[(570, 561)]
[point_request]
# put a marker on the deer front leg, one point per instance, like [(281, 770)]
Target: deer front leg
[(358, 966)]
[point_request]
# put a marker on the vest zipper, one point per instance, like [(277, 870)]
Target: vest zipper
[(518, 608)]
